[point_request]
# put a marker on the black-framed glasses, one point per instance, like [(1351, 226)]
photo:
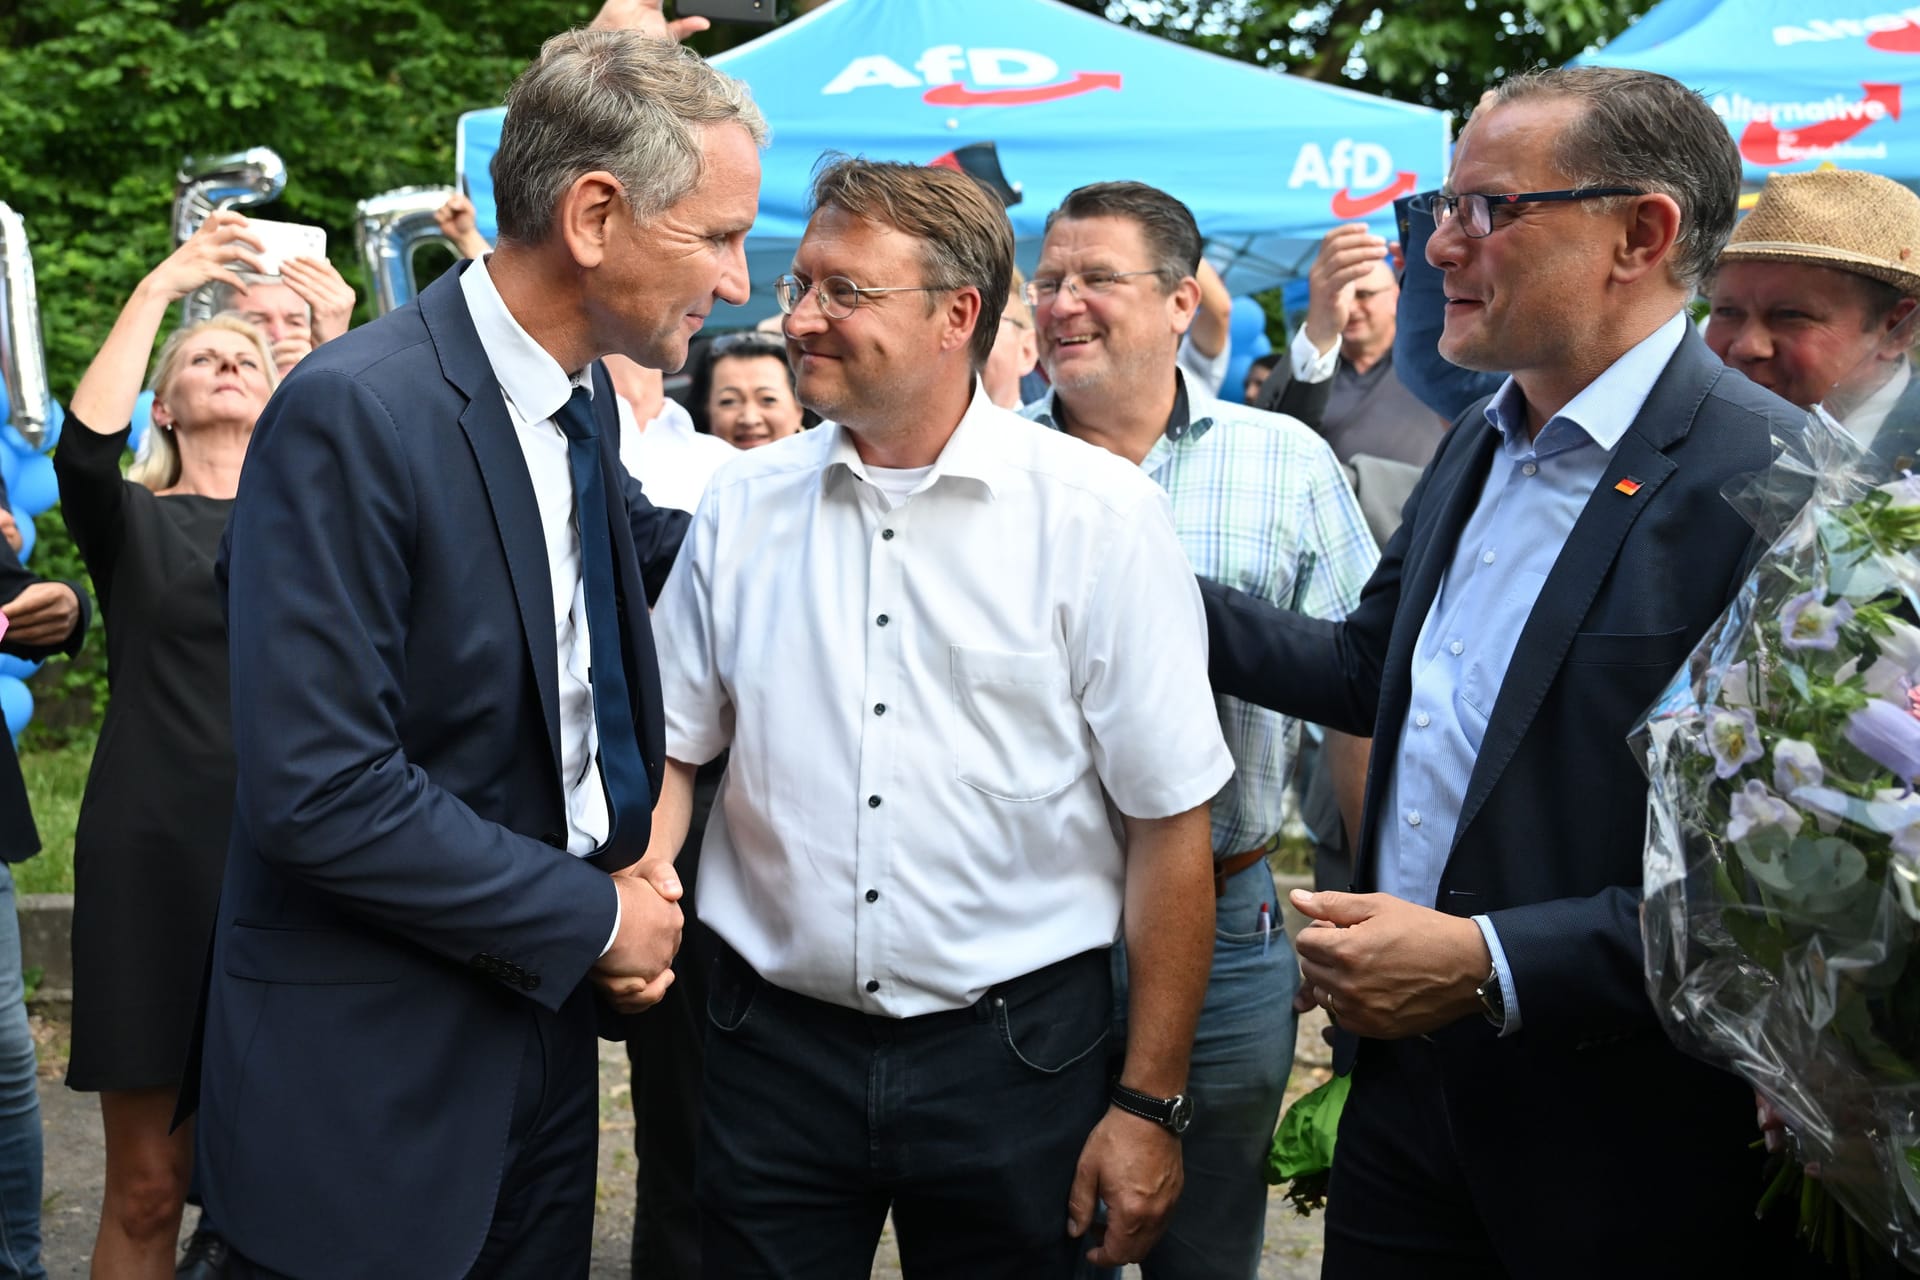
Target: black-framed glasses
[(837, 295), (1081, 284), (1475, 208)]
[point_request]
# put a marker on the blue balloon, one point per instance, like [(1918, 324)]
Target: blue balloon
[(16, 668), (142, 420), (17, 443), (33, 487), (10, 469), (1247, 330), (16, 703), (29, 536), (56, 419)]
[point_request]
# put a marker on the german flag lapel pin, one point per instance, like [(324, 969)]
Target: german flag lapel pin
[(1628, 486)]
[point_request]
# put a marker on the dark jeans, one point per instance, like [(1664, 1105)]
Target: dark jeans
[(966, 1124), (664, 1048), (1591, 1194)]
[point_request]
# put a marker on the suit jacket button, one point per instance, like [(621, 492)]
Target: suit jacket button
[(530, 982)]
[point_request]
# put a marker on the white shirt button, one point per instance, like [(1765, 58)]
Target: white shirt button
[(1413, 818), (1529, 468), (1487, 558), (1423, 719), (1456, 648)]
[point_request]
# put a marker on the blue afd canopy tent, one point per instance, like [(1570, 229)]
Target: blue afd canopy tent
[(1799, 85), (1267, 162)]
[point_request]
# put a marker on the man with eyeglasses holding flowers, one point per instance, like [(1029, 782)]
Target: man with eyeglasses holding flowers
[(959, 660), (1516, 1109)]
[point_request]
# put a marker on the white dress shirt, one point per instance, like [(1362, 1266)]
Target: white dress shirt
[(1864, 423), (938, 710), (535, 388), (1207, 371), (1310, 364), (671, 460)]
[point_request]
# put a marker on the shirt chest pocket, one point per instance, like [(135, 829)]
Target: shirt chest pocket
[(1018, 732)]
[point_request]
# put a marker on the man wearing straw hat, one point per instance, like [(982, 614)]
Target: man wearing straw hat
[(1811, 299)]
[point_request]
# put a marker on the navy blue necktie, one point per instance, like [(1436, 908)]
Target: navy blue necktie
[(621, 768)]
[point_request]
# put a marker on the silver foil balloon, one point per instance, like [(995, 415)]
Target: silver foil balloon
[(206, 183), (392, 226), (23, 356)]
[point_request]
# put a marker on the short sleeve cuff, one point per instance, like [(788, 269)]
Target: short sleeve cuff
[(1166, 798)]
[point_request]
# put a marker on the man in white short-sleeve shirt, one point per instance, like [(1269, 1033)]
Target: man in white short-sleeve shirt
[(960, 662)]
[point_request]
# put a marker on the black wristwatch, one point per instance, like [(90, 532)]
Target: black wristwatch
[(1172, 1114), (1493, 1001)]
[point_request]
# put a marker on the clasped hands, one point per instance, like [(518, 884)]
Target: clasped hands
[(1384, 968), (634, 974)]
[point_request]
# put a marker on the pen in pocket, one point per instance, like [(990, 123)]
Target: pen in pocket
[(1266, 928)]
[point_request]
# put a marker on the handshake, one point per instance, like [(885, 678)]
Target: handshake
[(633, 973)]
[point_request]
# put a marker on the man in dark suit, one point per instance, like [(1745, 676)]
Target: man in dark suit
[(1516, 1109), (447, 706)]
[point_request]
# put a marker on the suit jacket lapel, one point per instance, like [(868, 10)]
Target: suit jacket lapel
[(503, 472), (1591, 548)]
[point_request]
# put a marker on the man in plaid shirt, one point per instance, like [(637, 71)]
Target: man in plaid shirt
[(1259, 502)]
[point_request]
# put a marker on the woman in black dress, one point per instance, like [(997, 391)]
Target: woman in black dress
[(152, 836)]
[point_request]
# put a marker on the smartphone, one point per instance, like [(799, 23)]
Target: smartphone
[(282, 240), (758, 12)]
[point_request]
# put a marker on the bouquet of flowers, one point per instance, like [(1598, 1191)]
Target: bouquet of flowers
[(1783, 847)]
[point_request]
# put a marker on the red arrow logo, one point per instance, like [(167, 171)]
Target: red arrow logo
[(1347, 205), (958, 95), (1762, 141), (1899, 40)]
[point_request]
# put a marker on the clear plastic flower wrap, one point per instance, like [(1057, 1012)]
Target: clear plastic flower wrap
[(1782, 864)]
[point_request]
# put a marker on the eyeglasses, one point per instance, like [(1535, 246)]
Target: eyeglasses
[(837, 295), (1475, 209), (1081, 284)]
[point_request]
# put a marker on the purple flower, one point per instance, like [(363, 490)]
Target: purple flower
[(1733, 739), (1796, 764), (1754, 807), (1808, 622), (1889, 735)]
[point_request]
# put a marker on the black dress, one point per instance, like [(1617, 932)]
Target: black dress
[(151, 843)]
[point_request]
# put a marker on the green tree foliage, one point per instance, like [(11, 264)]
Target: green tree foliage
[(100, 100), (1442, 53)]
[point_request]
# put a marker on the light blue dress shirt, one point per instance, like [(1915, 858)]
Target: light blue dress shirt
[(1534, 492)]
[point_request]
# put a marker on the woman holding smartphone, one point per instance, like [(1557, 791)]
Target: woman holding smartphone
[(151, 842)]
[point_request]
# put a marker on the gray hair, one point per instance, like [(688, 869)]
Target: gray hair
[(1165, 223), (614, 100), (1644, 130)]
